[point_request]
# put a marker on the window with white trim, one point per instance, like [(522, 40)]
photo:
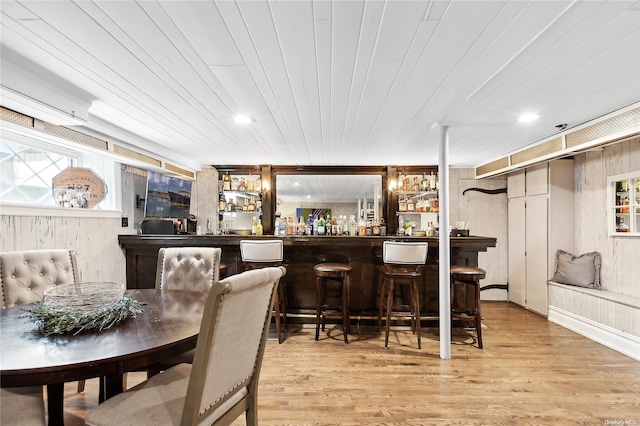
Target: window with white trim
[(26, 172)]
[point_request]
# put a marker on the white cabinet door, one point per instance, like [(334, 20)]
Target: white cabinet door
[(516, 184), (536, 217), (517, 269), (537, 179)]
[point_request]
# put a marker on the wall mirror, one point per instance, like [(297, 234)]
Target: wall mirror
[(344, 194)]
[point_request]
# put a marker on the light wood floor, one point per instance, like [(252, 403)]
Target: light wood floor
[(530, 372)]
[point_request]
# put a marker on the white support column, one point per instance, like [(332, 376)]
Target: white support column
[(444, 243)]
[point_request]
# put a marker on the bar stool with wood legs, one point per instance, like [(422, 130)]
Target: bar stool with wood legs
[(260, 254), (403, 264), (470, 276), (340, 272)]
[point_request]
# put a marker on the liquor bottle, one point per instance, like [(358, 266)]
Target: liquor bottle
[(327, 225), (250, 183), (259, 228), (276, 226), (222, 203), (383, 227), (415, 186), (309, 230), (254, 226), (411, 206), (315, 225), (362, 227), (252, 204), (375, 228), (226, 182), (321, 225), (301, 226), (334, 226), (437, 185), (425, 182), (353, 226)]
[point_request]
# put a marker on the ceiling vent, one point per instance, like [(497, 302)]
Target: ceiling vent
[(179, 170), (614, 127), (129, 153)]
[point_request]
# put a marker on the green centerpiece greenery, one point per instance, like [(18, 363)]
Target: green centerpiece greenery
[(57, 321)]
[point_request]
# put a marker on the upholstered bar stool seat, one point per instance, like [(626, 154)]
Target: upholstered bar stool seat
[(340, 272), (469, 276)]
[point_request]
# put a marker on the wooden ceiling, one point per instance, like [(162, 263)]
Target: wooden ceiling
[(325, 82)]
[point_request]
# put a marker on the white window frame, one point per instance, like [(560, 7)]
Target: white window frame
[(104, 166)]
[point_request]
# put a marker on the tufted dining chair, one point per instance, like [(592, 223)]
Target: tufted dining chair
[(188, 268), (185, 268), (25, 275), (222, 383)]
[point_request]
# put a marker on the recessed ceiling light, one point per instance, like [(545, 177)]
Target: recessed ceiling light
[(242, 119), (296, 184), (525, 118)]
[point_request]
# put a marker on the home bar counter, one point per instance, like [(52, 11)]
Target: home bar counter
[(364, 254)]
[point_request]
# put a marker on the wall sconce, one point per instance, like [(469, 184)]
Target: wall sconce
[(392, 185), (265, 186)]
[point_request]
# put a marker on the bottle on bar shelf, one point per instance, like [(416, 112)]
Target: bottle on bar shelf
[(226, 182), (254, 226), (301, 226), (353, 226), (321, 225), (424, 184), (250, 183), (259, 228), (222, 203)]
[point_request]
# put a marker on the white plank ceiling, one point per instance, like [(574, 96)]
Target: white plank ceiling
[(329, 82)]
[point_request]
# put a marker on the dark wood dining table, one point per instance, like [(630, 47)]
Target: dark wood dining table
[(168, 326)]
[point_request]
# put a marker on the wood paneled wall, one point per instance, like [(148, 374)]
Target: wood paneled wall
[(620, 255), (95, 241), (487, 216)]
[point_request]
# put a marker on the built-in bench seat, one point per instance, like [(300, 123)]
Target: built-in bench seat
[(609, 318)]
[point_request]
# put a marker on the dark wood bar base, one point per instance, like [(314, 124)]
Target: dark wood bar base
[(302, 253)]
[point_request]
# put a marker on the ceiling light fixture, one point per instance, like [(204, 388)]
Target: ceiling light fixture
[(526, 118), (242, 119)]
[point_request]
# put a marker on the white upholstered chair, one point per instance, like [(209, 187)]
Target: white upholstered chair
[(222, 382), (25, 275), (22, 406), (257, 254), (186, 268)]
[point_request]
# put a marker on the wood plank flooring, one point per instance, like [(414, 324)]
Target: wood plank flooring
[(530, 372)]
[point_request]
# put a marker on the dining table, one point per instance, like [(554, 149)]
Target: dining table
[(168, 326)]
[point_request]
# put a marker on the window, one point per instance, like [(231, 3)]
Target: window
[(30, 159), (26, 172), (624, 204)]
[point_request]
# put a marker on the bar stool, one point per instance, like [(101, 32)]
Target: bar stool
[(469, 276), (403, 263), (340, 272), (257, 254)]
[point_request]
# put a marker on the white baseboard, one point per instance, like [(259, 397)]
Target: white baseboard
[(610, 337)]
